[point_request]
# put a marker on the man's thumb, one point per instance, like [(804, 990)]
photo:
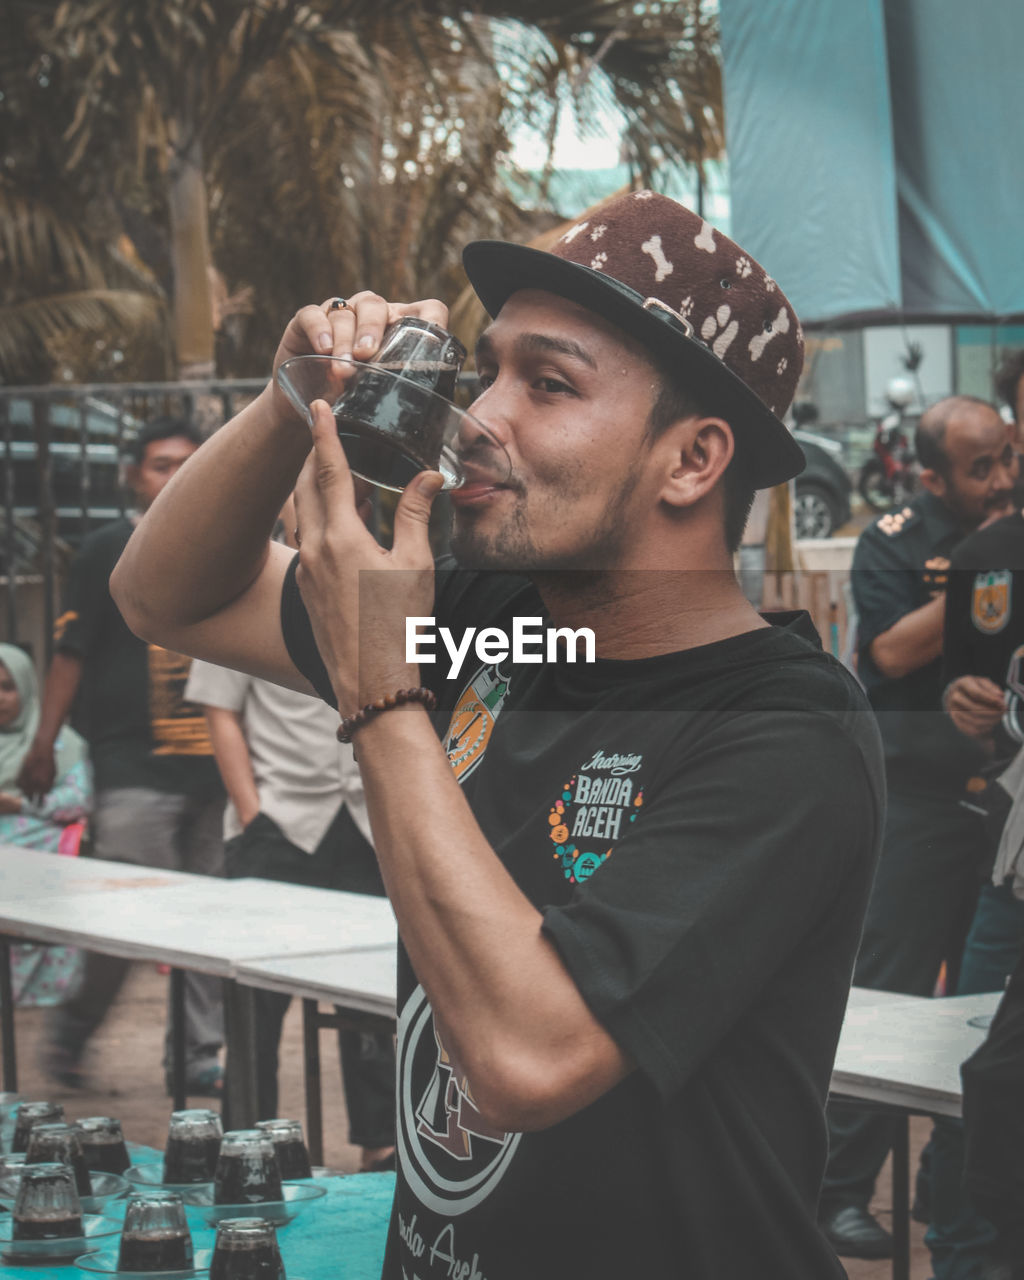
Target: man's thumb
[(412, 515)]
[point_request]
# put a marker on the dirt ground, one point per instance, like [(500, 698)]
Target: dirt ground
[(127, 1082)]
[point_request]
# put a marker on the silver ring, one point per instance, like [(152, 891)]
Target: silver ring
[(338, 304)]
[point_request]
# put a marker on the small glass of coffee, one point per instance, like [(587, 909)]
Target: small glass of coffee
[(292, 1154), (247, 1170), (103, 1144), (62, 1143), (193, 1143), (47, 1206), (30, 1113), (246, 1249), (155, 1236)]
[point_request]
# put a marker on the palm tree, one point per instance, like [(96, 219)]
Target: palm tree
[(308, 149), (62, 275)]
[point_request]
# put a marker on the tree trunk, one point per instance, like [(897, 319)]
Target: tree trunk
[(191, 265)]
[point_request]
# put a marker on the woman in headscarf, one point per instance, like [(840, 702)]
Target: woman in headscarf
[(41, 975)]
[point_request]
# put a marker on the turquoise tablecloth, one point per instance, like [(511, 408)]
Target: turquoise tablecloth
[(340, 1237)]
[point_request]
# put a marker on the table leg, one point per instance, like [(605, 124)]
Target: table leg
[(241, 1090), (311, 1055), (178, 1086), (10, 1060), (901, 1199)]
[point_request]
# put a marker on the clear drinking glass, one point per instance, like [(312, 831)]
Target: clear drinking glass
[(246, 1249), (394, 415), (292, 1153), (155, 1236), (193, 1144), (247, 1170), (47, 1206), (30, 1113), (62, 1143), (103, 1144)]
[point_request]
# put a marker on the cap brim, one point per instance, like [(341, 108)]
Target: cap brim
[(767, 452)]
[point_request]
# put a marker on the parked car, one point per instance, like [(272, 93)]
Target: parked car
[(823, 489)]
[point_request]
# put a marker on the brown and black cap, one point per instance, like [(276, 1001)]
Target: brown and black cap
[(704, 308)]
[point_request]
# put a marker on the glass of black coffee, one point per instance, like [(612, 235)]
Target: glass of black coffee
[(246, 1249), (395, 417), (47, 1205), (103, 1144), (30, 1113), (247, 1170), (193, 1144), (292, 1154), (155, 1236), (60, 1143)]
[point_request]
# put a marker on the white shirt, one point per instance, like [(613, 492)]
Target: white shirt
[(303, 773)]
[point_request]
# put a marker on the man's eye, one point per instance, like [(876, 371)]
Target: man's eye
[(553, 386)]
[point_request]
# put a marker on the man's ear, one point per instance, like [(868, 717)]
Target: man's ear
[(933, 482), (698, 450)]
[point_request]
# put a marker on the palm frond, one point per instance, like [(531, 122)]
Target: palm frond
[(33, 323)]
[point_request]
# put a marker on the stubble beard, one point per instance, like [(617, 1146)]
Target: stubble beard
[(513, 548)]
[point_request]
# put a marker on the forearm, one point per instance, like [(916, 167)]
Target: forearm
[(912, 642), (217, 513), (234, 762), (511, 1014), (62, 681)]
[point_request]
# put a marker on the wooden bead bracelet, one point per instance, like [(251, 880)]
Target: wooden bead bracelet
[(349, 724)]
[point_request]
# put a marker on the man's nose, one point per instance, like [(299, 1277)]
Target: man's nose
[(491, 408)]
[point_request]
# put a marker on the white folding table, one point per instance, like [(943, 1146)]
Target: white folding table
[(201, 923)]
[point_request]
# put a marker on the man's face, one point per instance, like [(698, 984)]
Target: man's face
[(982, 466), (159, 463), (568, 395)]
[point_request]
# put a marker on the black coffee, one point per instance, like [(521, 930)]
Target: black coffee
[(245, 1260), (293, 1159), (246, 1180), (190, 1159), (155, 1251), (105, 1155), (55, 1228)]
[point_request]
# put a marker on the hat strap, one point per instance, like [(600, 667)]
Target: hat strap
[(656, 304)]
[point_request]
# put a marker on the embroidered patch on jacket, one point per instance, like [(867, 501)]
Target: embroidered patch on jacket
[(990, 600)]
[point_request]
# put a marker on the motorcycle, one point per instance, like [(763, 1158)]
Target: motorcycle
[(889, 477)]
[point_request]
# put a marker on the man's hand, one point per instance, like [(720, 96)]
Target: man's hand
[(975, 705), (354, 330), (38, 772), (358, 594)]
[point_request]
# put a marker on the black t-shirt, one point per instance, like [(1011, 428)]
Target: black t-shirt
[(900, 563), (141, 732), (984, 632), (699, 830)]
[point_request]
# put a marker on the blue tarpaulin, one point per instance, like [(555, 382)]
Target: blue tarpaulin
[(876, 154)]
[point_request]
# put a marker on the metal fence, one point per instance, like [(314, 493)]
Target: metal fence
[(63, 450)]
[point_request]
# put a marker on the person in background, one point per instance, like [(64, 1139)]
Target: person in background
[(983, 679), (296, 813), (1009, 382), (53, 823), (159, 799), (930, 869)]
